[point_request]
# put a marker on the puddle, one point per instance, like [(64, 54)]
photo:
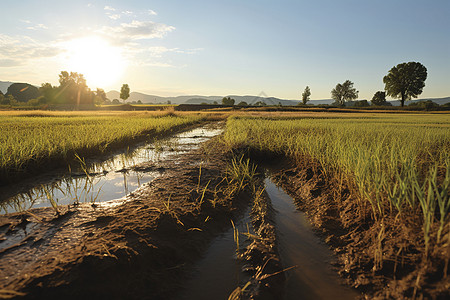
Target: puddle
[(111, 178), (219, 272), (298, 245)]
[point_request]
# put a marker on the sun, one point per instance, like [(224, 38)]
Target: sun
[(101, 63)]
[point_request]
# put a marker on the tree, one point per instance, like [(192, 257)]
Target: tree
[(48, 91), (344, 92), (23, 92), (73, 89), (228, 101), (379, 98), (100, 97), (8, 100), (242, 103), (405, 80), (306, 94), (101, 93), (260, 103), (124, 92), (361, 103), (424, 104)]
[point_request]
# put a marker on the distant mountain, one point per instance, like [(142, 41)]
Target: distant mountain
[(136, 96), (439, 101), (200, 101), (4, 85), (321, 102)]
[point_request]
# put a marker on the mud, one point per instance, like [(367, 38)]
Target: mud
[(104, 178), (139, 247), (146, 245), (381, 259)]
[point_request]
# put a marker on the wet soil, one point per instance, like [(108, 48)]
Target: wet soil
[(109, 177), (139, 247), (381, 259), (146, 245)]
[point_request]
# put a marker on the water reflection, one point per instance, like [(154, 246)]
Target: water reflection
[(99, 180)]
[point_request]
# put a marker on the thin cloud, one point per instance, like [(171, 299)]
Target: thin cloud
[(151, 12), (16, 51), (159, 64), (7, 62), (37, 27), (114, 17), (158, 51), (109, 8), (136, 30)]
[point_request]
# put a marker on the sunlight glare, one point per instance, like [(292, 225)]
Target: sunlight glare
[(101, 64)]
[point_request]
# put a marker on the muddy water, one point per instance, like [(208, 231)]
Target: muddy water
[(111, 178), (219, 272), (299, 246)]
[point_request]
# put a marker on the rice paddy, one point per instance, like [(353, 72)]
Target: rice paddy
[(31, 139), (399, 164), (382, 181)]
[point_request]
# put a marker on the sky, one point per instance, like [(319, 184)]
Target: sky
[(234, 47)]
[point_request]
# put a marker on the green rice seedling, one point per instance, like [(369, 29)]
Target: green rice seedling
[(199, 177), (428, 205), (390, 158), (215, 196), (29, 140), (442, 197), (235, 236), (52, 201), (200, 201), (167, 205), (241, 172)]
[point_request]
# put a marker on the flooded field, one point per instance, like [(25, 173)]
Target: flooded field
[(98, 180)]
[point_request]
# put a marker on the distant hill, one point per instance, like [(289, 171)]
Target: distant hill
[(439, 101), (4, 85), (136, 96), (321, 102), (198, 99)]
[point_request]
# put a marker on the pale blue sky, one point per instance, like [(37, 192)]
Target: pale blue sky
[(228, 47)]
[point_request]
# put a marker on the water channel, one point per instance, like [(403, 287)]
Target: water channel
[(299, 246), (109, 178), (218, 273)]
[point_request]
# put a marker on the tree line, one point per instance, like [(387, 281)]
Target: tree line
[(404, 81), (71, 91)]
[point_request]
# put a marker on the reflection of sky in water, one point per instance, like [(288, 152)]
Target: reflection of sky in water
[(108, 183), (157, 151)]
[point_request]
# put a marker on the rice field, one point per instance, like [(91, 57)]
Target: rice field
[(398, 163), (29, 139)]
